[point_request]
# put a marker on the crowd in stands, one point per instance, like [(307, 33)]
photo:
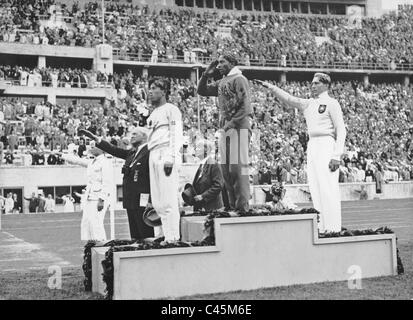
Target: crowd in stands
[(378, 119), (379, 132), (30, 133), (170, 33), (379, 140), (54, 77)]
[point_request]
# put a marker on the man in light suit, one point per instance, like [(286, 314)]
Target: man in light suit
[(208, 181), (99, 182), (136, 184)]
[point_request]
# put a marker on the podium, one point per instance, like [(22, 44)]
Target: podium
[(249, 253)]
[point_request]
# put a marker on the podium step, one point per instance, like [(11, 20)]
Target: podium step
[(250, 253)]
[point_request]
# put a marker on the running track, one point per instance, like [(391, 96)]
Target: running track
[(37, 241)]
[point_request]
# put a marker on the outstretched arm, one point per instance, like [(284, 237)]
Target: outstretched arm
[(106, 146), (113, 150), (75, 160), (284, 96)]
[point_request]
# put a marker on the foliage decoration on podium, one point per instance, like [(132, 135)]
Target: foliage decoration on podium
[(208, 240)]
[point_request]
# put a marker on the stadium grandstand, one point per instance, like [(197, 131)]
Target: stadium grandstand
[(70, 65)]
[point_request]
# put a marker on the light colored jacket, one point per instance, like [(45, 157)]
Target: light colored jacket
[(99, 175), (49, 205)]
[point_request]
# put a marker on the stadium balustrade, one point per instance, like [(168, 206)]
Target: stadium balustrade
[(295, 27), (117, 54)]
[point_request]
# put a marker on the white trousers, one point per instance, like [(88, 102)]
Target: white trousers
[(91, 226), (323, 183), (164, 195)]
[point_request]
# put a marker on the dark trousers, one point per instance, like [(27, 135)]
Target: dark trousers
[(235, 168), (237, 188), (138, 229)]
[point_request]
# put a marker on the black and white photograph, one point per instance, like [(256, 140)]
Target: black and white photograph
[(206, 154)]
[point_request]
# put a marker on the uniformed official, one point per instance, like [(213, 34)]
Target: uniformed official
[(136, 184), (327, 134), (164, 142), (99, 182)]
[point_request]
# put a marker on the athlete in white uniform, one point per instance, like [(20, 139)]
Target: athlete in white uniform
[(164, 142), (327, 133)]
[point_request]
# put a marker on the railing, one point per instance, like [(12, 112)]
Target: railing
[(118, 54), (20, 160), (58, 84)]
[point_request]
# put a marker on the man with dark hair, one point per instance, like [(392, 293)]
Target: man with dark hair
[(164, 142), (327, 133), (233, 94)]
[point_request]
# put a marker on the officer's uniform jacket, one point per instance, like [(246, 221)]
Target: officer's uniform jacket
[(99, 176), (324, 117)]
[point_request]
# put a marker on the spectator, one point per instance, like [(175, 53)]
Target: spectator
[(1, 152), (379, 178), (42, 203), (9, 204), (16, 206), (266, 176), (369, 174), (82, 148), (2, 204), (363, 193), (49, 204), (68, 203), (52, 159), (33, 203)]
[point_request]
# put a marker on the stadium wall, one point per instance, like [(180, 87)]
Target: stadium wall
[(29, 179), (101, 55), (47, 50), (51, 94)]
